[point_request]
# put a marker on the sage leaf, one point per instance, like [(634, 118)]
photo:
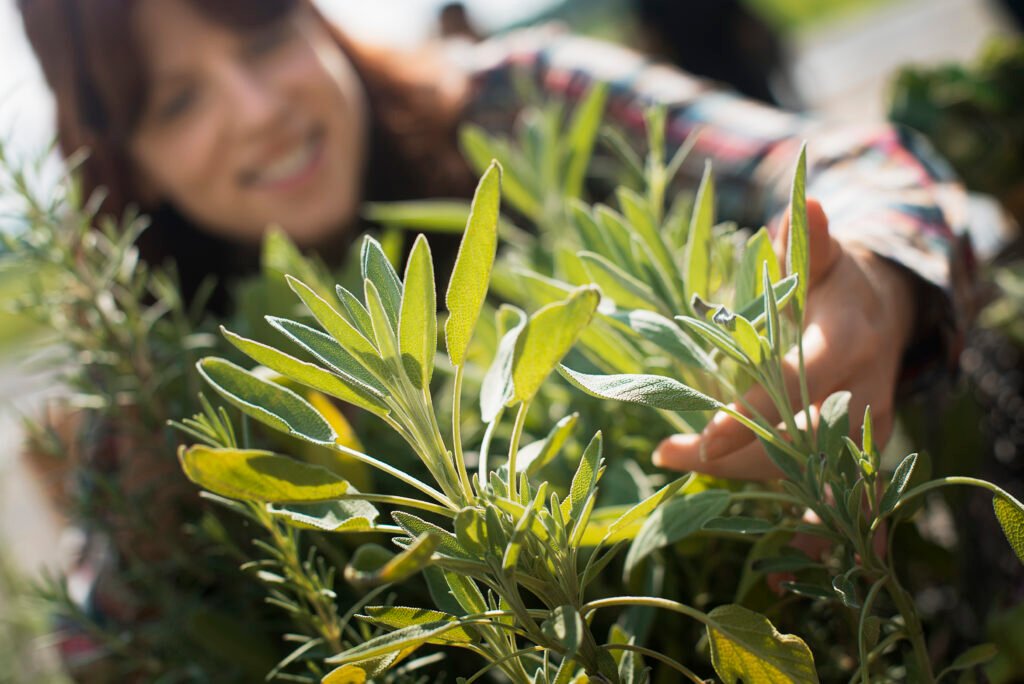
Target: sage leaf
[(397, 617), (715, 337), (626, 291), (447, 542), (697, 277), (565, 627), (664, 334), (344, 387), (435, 216), (748, 279), (580, 138), (392, 642), (356, 310), (351, 515), (548, 336), (655, 391), (253, 475), (834, 424), (1010, 513), (378, 270), (481, 151), (533, 457), (783, 290), (973, 657), (497, 389), (472, 272), (265, 401), (369, 567), (900, 479), (383, 332), (585, 479), (746, 646), (673, 522), (362, 365), (629, 523), (798, 250), (417, 320)]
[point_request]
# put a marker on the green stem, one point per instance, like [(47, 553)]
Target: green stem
[(804, 393), (762, 432), (865, 612), (460, 459), (405, 501), (501, 661), (678, 667), (513, 449), (485, 447), (946, 482), (915, 632), (401, 475), (651, 601)]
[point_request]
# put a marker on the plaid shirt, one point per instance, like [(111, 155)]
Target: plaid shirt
[(882, 186)]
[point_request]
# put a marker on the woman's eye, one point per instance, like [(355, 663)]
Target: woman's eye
[(177, 104)]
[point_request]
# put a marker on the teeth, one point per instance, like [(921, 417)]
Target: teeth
[(288, 165)]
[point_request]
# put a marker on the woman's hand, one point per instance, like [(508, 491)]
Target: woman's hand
[(859, 317)]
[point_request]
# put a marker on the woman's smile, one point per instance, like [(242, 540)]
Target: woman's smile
[(292, 170)]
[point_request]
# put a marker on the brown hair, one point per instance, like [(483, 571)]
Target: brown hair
[(91, 60)]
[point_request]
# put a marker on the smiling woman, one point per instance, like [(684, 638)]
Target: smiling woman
[(222, 117)]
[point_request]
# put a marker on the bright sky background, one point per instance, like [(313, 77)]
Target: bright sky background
[(26, 118)]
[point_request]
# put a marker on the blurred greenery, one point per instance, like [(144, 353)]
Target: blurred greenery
[(23, 657)]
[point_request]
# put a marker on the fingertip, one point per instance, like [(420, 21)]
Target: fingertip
[(677, 452)]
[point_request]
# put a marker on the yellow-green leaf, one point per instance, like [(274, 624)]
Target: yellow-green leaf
[(417, 326), (266, 401), (698, 244), (548, 336), (253, 475), (748, 279), (373, 565), (746, 646), (397, 617), (1010, 513), (472, 272), (798, 250)]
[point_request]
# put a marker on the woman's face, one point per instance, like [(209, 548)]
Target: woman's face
[(245, 128)]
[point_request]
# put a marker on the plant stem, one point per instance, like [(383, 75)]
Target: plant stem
[(915, 632), (401, 475), (513, 449), (675, 665), (651, 601), (762, 432), (400, 501), (460, 459), (945, 482), (865, 612)]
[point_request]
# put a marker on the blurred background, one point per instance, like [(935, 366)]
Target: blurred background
[(836, 58)]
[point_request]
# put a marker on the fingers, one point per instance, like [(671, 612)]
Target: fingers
[(724, 434), (825, 250), (747, 463)]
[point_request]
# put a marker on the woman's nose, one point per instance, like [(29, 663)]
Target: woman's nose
[(252, 102)]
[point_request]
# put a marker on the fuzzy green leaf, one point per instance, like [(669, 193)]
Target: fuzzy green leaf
[(900, 479), (548, 336), (365, 367), (472, 272), (629, 523), (674, 522), (655, 391), (798, 249), (580, 138), (378, 270), (1010, 513), (565, 627), (343, 387), (330, 516), (251, 475), (746, 646), (715, 337), (698, 243), (834, 423), (370, 568), (783, 290), (265, 401), (584, 480), (383, 332), (973, 657), (397, 617), (358, 316), (435, 216), (497, 388), (664, 334), (533, 457), (417, 321), (739, 524), (748, 279), (482, 150), (392, 642), (626, 291), (448, 544)]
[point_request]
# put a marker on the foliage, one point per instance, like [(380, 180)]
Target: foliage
[(513, 559)]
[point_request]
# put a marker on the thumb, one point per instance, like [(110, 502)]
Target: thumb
[(825, 249)]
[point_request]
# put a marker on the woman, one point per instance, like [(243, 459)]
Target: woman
[(221, 116)]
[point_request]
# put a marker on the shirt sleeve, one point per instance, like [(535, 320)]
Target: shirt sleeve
[(882, 186)]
